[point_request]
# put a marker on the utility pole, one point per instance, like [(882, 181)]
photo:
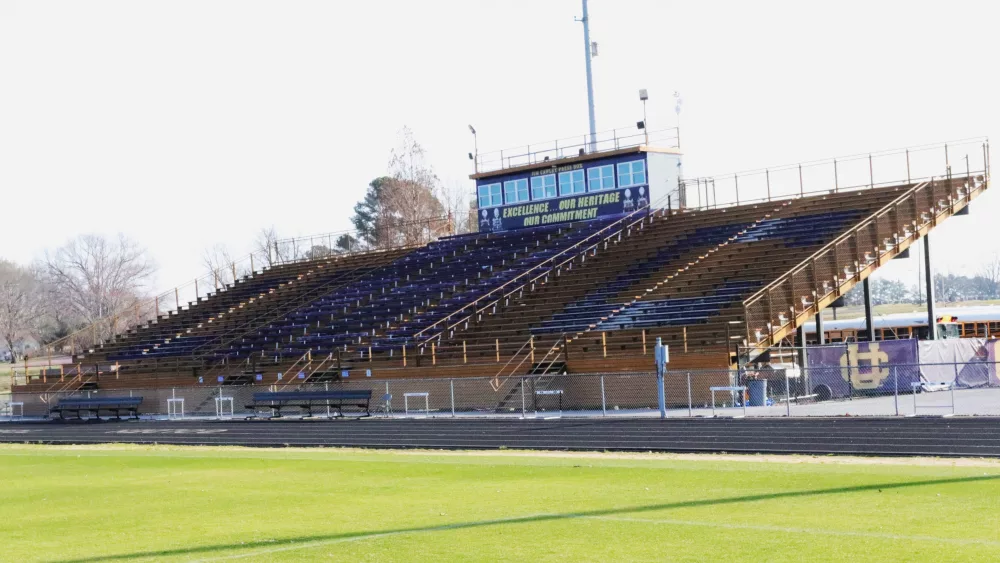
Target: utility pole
[(590, 77)]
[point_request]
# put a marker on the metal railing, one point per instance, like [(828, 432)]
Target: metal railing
[(542, 270), (811, 285), (845, 173), (550, 151), (952, 389)]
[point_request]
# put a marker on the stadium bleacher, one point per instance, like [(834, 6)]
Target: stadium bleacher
[(597, 292)]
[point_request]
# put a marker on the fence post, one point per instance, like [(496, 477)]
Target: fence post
[(604, 403), (326, 387), (690, 413), (452, 385), (895, 376), (788, 398), (522, 397)]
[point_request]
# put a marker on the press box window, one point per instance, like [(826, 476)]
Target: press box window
[(543, 187), (515, 191), (601, 178), (490, 196), (632, 173), (571, 182)]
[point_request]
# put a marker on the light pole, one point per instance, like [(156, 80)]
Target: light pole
[(475, 141), (645, 124), (588, 48)]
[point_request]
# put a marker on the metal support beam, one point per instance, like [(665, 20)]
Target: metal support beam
[(800, 341), (869, 320), (929, 279), (820, 335)]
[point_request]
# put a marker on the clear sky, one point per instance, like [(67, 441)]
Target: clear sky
[(189, 123)]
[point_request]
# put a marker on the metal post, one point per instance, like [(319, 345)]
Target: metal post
[(767, 174), (590, 78), (895, 377), (820, 334), (929, 278), (660, 360), (604, 403), (871, 172), (802, 189), (326, 387), (788, 397), (661, 395), (736, 180), (908, 181), (522, 397), (452, 385), (869, 320), (836, 181), (690, 413)]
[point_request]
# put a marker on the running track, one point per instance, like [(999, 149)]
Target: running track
[(976, 437)]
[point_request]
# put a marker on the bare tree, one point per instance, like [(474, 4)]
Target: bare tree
[(990, 271), (20, 305), (271, 248), (455, 200), (99, 279), (222, 268)]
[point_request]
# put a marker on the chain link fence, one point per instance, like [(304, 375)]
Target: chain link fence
[(961, 389)]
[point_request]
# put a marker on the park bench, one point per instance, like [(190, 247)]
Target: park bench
[(308, 400), (95, 405)]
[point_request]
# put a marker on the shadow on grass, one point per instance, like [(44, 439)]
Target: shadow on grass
[(345, 536)]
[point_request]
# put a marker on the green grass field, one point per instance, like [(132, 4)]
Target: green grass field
[(125, 503)]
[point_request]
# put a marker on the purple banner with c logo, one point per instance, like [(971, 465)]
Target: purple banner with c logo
[(842, 370)]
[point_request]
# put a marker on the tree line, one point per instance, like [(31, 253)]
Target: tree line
[(948, 288), (91, 277)]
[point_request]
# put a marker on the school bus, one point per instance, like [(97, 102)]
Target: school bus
[(952, 322)]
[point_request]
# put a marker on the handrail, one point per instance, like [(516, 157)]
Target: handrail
[(843, 173), (701, 256), (643, 210), (495, 381), (860, 257), (847, 234), (602, 141)]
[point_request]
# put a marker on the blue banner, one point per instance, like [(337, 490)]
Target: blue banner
[(583, 207)]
